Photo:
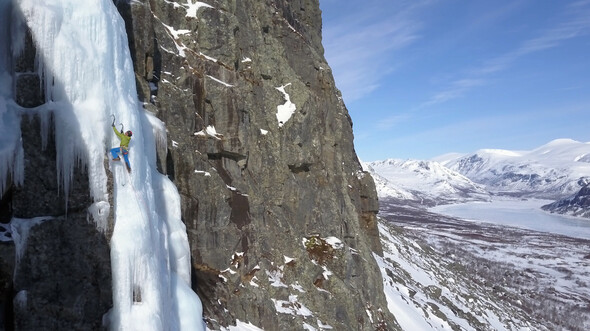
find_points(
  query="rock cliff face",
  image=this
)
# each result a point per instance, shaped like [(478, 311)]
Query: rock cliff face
[(576, 205), (259, 196), (280, 216)]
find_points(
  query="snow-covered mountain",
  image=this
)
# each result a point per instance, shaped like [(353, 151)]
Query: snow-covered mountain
[(556, 170), (422, 182), (575, 205), (552, 171)]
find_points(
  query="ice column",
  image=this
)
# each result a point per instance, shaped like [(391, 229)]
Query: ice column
[(88, 73)]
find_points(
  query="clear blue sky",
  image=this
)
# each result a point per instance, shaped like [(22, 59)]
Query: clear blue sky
[(422, 78)]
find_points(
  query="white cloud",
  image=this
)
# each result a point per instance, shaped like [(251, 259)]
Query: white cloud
[(360, 48), (574, 23), (392, 121), (456, 89)]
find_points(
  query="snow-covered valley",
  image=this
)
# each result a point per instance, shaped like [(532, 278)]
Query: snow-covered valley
[(491, 259), (444, 273)]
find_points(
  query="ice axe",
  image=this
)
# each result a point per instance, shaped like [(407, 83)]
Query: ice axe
[(113, 124)]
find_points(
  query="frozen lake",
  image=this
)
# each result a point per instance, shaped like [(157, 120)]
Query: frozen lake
[(519, 213)]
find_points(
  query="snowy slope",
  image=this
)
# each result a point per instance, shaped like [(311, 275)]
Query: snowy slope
[(557, 169), (425, 292), (422, 182), (389, 189), (442, 273), (83, 55)]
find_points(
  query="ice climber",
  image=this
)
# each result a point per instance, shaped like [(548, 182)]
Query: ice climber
[(124, 147)]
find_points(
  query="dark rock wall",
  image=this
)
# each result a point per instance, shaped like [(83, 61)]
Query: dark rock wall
[(576, 205), (249, 198)]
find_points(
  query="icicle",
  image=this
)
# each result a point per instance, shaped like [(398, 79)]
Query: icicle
[(16, 28), (11, 150), (99, 211), (18, 168), (159, 132), (20, 232), (45, 117)]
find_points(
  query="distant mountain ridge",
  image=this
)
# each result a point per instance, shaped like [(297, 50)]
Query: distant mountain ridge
[(552, 171), (557, 170), (425, 183)]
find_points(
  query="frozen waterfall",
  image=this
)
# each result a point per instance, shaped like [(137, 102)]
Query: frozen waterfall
[(83, 55)]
